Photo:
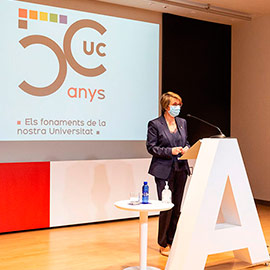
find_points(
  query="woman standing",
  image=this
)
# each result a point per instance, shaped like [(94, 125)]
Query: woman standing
[(166, 142)]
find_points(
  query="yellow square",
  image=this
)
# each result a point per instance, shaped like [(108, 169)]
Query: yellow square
[(43, 16)]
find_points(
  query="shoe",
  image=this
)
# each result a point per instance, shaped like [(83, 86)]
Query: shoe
[(165, 251)]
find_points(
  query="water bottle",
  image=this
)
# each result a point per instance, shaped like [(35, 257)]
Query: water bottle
[(145, 193), (166, 194)]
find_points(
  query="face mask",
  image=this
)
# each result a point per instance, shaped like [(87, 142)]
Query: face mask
[(174, 110)]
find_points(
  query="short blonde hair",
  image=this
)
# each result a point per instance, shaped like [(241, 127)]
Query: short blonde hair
[(166, 99)]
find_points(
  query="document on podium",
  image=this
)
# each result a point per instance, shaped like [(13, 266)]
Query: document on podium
[(192, 152)]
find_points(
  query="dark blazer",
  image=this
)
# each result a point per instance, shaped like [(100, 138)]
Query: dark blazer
[(159, 145)]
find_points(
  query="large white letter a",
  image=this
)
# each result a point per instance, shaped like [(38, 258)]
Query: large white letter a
[(219, 213)]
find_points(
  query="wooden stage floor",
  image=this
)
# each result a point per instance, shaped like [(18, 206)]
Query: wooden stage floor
[(106, 246)]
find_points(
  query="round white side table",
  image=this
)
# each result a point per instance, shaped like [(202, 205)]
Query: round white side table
[(153, 205)]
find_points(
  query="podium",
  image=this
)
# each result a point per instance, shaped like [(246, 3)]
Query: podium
[(219, 213)]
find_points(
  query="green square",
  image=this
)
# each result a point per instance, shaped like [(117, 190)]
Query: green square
[(53, 17)]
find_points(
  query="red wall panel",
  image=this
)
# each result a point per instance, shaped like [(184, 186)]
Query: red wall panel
[(24, 196)]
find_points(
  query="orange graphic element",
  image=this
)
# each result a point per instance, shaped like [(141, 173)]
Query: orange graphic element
[(43, 16), (22, 24), (64, 57), (54, 86), (74, 92), (72, 30), (19, 122), (92, 48), (33, 14), (22, 13)]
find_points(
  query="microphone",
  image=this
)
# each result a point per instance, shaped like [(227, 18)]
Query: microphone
[(221, 135)]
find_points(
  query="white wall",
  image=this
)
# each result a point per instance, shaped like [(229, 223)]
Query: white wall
[(85, 191), (250, 111)]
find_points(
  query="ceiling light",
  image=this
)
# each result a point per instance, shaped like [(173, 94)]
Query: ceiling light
[(206, 8)]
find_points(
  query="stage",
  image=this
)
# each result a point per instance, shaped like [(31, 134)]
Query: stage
[(102, 246)]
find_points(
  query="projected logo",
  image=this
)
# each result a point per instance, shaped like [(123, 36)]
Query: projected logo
[(64, 55), (25, 14)]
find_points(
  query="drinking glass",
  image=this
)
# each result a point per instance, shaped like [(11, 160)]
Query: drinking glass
[(134, 198)]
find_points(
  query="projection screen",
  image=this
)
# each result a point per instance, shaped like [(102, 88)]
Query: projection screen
[(75, 81)]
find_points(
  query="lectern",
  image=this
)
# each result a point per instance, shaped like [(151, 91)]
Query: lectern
[(219, 213)]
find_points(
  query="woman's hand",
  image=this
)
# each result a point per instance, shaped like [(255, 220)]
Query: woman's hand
[(184, 150), (176, 150), (179, 150)]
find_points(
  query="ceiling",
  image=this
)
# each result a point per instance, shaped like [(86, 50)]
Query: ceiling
[(252, 8)]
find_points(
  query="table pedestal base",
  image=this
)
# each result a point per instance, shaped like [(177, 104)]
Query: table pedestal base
[(143, 209), (138, 268)]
